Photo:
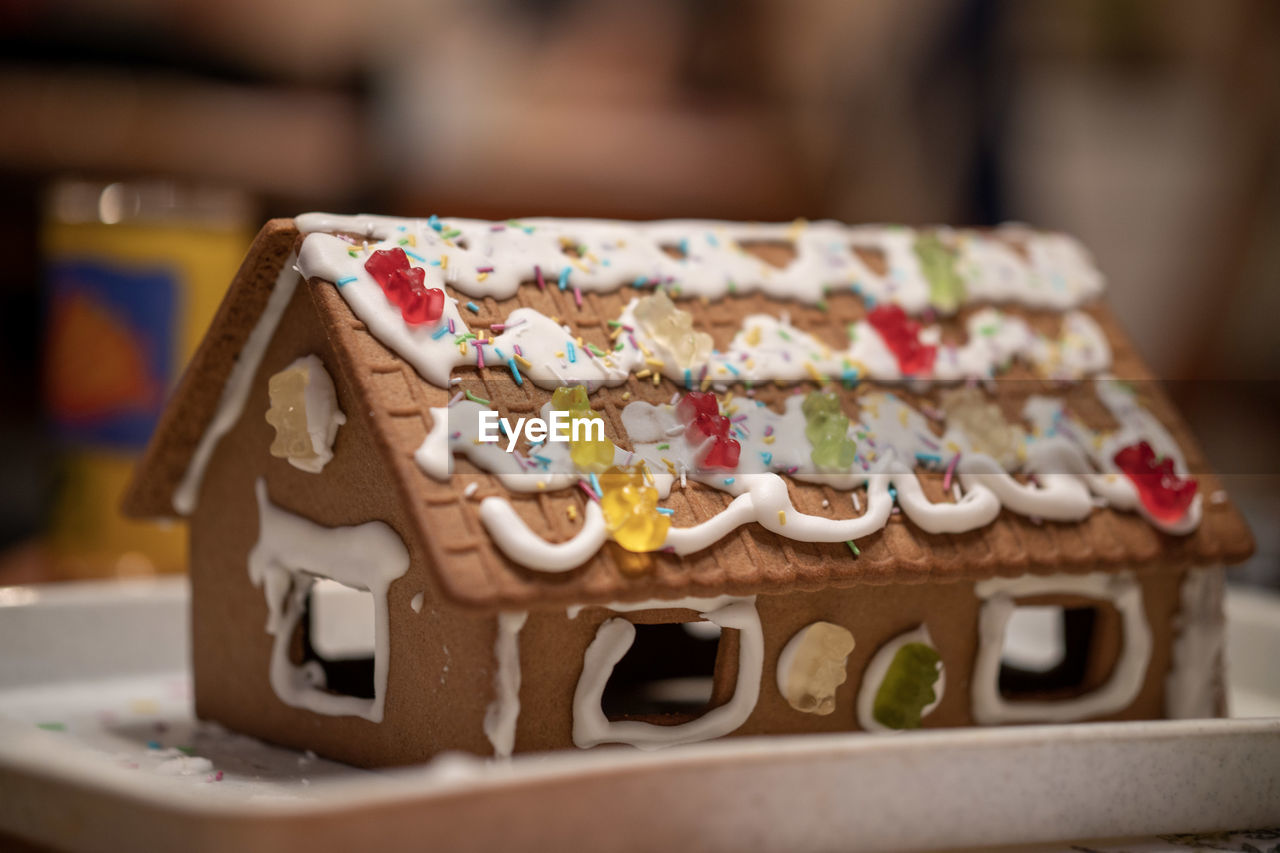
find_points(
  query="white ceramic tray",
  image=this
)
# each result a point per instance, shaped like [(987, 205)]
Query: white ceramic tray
[(98, 751)]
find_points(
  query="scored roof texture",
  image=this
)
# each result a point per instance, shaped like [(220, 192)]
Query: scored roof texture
[(472, 571)]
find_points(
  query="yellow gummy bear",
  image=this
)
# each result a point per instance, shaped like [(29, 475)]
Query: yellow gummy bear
[(672, 329), (630, 506), (588, 453)]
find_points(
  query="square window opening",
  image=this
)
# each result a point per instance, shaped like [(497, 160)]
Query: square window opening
[(336, 639), (669, 675), (1050, 652)]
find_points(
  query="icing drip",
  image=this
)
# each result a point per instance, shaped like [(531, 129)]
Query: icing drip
[(235, 391), (292, 552), (615, 636), (1126, 679), (1193, 687), (503, 712)]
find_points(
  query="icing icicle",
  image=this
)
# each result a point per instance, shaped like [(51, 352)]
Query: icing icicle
[(291, 553)]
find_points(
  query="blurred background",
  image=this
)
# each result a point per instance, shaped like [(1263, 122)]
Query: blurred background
[(143, 141)]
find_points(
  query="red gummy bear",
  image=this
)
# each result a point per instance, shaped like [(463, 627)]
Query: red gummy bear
[(404, 286), (697, 403), (1165, 495), (699, 411), (902, 335)]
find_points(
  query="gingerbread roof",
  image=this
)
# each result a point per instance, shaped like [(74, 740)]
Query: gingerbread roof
[(473, 569)]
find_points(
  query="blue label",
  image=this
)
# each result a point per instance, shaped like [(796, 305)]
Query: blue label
[(109, 354)]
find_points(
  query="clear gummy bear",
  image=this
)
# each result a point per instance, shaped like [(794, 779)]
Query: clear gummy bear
[(982, 422), (817, 660), (672, 329), (287, 391)]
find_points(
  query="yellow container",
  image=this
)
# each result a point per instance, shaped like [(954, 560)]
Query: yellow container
[(134, 275)]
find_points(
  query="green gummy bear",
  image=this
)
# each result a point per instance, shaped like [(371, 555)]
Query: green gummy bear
[(817, 403), (833, 453), (827, 428), (907, 688), (938, 263), (570, 398)]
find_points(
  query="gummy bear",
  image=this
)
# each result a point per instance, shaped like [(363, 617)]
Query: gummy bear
[(1165, 495), (630, 505), (404, 286), (587, 452), (982, 422), (699, 411), (288, 414), (818, 657), (827, 428), (672, 329), (938, 263), (907, 688), (902, 336)]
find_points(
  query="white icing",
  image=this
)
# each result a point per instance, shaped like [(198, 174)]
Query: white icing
[(486, 259), (184, 765), (615, 636), (765, 349), (701, 605), (1122, 590), (323, 415), (503, 712), (528, 548), (878, 667), (1194, 682), (292, 552), (498, 257), (433, 456), (235, 391)]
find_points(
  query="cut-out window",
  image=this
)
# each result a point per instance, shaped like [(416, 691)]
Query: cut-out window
[(338, 639), (668, 674), (775, 253), (1048, 650)]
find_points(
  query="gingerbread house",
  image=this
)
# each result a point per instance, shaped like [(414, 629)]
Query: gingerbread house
[(830, 478)]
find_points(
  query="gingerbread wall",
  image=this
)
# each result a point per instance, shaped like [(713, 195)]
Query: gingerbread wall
[(552, 643), (442, 668)]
